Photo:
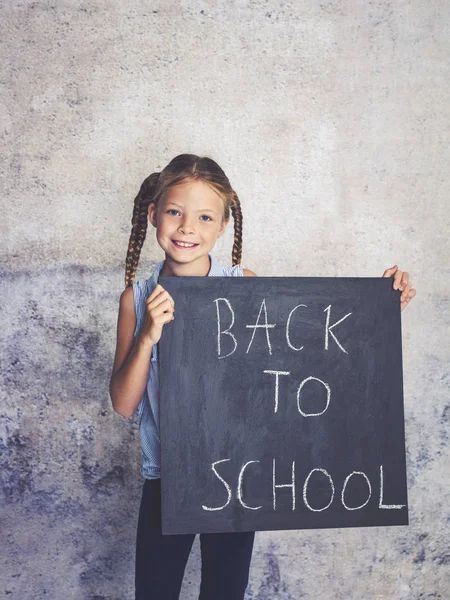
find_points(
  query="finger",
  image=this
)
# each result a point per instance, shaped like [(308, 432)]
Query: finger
[(162, 319), (160, 298), (161, 308), (405, 292), (157, 290), (397, 279), (165, 318), (162, 294), (390, 272), (410, 295), (404, 280), (171, 299)]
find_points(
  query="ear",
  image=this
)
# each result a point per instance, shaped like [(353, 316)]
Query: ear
[(223, 226), (152, 213)]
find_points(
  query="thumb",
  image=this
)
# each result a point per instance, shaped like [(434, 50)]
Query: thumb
[(390, 272)]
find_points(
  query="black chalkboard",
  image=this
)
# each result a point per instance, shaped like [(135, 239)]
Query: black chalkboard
[(281, 404)]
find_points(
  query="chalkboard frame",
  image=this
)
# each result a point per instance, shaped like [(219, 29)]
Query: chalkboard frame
[(372, 294)]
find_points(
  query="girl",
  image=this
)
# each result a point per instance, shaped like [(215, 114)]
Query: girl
[(189, 204)]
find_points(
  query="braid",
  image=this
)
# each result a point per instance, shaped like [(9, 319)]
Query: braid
[(139, 224), (237, 216)]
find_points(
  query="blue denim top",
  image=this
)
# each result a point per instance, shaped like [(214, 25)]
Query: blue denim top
[(148, 407)]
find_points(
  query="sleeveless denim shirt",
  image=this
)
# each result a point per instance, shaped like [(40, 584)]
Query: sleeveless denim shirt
[(148, 407)]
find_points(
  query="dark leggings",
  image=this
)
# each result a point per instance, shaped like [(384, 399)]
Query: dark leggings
[(161, 559)]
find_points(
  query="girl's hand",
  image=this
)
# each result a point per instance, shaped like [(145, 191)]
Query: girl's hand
[(401, 283), (158, 311)]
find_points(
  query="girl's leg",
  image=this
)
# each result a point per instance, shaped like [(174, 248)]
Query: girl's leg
[(225, 564), (160, 559)]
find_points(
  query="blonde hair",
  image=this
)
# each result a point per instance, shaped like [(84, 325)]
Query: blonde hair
[(181, 168)]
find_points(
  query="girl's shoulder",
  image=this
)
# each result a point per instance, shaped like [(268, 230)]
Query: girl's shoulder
[(236, 271), (144, 287), (141, 291)]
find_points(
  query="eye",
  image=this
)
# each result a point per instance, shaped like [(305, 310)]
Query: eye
[(206, 218), (171, 211)]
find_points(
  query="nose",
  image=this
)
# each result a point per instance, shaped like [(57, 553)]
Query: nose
[(186, 227)]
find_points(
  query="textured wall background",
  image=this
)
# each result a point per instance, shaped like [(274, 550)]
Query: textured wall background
[(331, 120)]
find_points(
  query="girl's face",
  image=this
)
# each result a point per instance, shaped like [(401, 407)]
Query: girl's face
[(188, 221)]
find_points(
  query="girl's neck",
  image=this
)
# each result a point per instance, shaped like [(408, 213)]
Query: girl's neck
[(197, 268)]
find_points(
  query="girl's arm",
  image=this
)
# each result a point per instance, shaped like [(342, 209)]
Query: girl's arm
[(248, 273), (132, 361)]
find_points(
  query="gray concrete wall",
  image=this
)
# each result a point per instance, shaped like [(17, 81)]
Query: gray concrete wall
[(331, 120)]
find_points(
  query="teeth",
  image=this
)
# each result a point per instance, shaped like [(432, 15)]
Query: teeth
[(184, 244)]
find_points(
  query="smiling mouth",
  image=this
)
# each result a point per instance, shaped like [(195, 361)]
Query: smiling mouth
[(186, 245)]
